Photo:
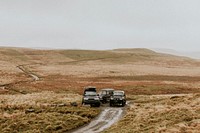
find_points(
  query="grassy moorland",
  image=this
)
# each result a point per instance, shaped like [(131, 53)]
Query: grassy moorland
[(160, 114), (148, 78), (45, 119), (43, 112)]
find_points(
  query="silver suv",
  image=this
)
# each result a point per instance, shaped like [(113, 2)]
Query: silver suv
[(91, 97)]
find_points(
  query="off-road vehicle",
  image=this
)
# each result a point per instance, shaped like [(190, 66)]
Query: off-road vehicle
[(118, 98), (105, 95), (91, 97)]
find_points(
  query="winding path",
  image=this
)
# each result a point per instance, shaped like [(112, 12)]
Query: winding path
[(34, 77), (107, 117), (27, 72)]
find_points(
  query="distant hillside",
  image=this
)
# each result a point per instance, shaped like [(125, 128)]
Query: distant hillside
[(119, 56), (195, 55), (136, 50)]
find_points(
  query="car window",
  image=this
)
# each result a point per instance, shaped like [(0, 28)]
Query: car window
[(111, 92), (90, 93), (118, 93), (103, 92)]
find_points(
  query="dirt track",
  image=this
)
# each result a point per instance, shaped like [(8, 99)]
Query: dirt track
[(108, 116), (34, 77)]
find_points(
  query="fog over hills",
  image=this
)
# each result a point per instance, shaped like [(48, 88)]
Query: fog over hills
[(194, 54)]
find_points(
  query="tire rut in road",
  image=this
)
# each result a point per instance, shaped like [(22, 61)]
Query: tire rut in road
[(107, 117)]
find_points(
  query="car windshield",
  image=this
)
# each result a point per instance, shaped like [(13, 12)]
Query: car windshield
[(90, 93), (103, 93), (118, 93)]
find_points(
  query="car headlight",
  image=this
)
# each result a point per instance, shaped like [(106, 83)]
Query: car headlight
[(85, 98), (96, 98)]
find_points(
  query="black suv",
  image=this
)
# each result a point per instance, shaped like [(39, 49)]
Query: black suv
[(105, 95), (91, 97), (118, 98)]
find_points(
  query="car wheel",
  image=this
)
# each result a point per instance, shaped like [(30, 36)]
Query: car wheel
[(98, 105), (111, 104), (123, 104)]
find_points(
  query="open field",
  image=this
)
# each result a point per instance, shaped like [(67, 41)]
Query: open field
[(42, 112), (150, 80), (161, 114)]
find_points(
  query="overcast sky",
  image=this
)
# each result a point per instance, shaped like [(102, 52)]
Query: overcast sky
[(101, 24)]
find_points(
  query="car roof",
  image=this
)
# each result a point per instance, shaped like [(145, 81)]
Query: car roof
[(88, 87)]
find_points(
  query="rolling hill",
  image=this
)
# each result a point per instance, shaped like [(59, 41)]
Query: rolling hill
[(152, 81)]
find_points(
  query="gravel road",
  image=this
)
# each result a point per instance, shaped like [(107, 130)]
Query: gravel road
[(107, 117)]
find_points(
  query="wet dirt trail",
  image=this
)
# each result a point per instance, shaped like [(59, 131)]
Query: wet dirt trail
[(107, 117), (34, 77), (22, 68)]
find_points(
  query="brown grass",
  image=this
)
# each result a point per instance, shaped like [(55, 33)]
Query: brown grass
[(45, 118), (64, 73), (52, 112), (165, 113)]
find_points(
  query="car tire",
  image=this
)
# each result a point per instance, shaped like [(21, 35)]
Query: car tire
[(98, 105), (123, 104)]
